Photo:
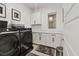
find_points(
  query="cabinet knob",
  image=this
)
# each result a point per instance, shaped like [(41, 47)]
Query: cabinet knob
[(39, 38), (53, 40)]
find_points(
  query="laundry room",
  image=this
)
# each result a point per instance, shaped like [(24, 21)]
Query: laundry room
[(39, 29), (31, 29)]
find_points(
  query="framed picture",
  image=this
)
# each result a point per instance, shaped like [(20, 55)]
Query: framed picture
[(16, 15), (2, 10)]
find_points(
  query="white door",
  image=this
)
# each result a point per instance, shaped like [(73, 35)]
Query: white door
[(46, 39), (33, 18), (37, 16), (57, 42), (36, 38)]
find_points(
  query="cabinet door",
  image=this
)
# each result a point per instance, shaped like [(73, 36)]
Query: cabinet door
[(37, 17), (43, 39), (50, 40), (57, 41), (33, 19), (36, 38), (46, 39)]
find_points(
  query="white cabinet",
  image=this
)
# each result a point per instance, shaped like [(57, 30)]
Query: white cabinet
[(58, 40), (51, 40), (47, 39), (36, 18), (36, 38)]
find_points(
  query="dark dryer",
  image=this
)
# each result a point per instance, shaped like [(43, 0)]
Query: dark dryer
[(16, 42), (27, 38), (8, 44), (8, 41), (26, 41)]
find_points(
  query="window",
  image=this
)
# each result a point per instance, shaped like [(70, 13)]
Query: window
[(52, 21)]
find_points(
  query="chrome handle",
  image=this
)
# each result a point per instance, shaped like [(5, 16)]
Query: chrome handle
[(53, 40), (40, 38)]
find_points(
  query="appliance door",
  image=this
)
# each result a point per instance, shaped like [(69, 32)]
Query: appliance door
[(27, 39), (8, 44)]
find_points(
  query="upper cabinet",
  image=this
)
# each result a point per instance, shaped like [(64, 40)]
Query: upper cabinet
[(36, 18)]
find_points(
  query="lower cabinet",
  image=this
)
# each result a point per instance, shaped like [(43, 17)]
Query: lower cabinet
[(58, 40), (36, 38), (47, 39)]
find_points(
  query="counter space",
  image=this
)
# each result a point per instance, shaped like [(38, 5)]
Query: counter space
[(48, 32)]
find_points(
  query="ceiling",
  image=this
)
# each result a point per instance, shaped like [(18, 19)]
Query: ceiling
[(38, 5)]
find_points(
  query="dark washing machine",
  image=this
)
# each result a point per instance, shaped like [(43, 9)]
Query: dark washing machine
[(8, 44), (27, 37), (26, 41), (9, 40)]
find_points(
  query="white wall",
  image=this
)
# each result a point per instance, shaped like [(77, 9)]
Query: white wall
[(25, 13), (71, 26)]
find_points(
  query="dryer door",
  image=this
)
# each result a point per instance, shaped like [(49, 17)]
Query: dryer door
[(8, 44), (27, 38)]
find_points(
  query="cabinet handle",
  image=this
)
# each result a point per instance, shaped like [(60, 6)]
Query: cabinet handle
[(53, 40), (40, 38)]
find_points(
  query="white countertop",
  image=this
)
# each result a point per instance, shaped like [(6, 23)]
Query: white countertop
[(47, 31)]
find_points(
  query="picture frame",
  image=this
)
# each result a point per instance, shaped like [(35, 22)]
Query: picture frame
[(16, 15), (2, 10)]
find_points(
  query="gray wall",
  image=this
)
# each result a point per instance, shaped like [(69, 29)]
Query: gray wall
[(71, 26)]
